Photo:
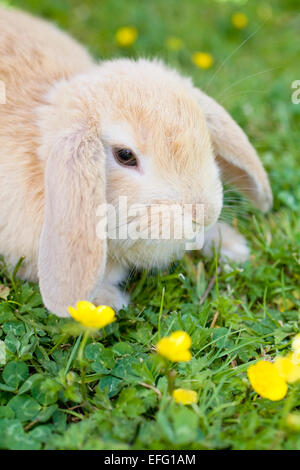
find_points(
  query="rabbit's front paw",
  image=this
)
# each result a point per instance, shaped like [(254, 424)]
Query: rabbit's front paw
[(113, 297), (230, 243)]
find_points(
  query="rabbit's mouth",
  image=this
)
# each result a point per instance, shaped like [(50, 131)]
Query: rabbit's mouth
[(153, 235), (146, 254)]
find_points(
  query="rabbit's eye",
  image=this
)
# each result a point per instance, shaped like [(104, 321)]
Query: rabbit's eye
[(125, 157)]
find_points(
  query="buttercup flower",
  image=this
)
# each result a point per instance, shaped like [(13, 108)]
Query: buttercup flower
[(93, 317), (174, 43), (186, 397), (239, 20), (266, 380), (203, 60), (175, 347), (287, 368), (126, 36)]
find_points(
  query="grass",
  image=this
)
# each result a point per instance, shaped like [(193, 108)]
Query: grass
[(250, 312)]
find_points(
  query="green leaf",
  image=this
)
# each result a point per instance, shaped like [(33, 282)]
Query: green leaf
[(143, 333), (148, 397), (185, 425), (179, 424), (129, 404), (2, 353), (122, 348), (72, 393), (142, 371), (124, 428), (222, 338), (101, 399), (13, 437), (103, 359), (165, 426), (110, 385), (6, 412), (99, 368), (59, 421), (41, 433), (25, 407), (149, 431), (94, 351), (287, 198), (45, 390), (29, 297), (5, 313), (17, 327), (6, 388), (28, 345), (124, 369), (14, 373), (12, 343), (27, 385), (47, 413), (107, 358)]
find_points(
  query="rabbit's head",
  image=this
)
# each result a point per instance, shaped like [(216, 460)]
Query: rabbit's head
[(139, 131)]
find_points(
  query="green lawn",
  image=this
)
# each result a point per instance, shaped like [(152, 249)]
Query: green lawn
[(255, 308)]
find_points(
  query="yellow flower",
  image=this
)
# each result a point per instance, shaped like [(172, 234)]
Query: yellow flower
[(93, 317), (296, 344), (266, 380), (287, 368), (203, 60), (175, 347), (239, 20), (174, 43), (126, 36), (186, 397)]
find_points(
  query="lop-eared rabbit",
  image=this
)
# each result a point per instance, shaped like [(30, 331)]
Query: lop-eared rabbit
[(76, 134)]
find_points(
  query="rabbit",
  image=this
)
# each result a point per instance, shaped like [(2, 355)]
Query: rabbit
[(76, 134)]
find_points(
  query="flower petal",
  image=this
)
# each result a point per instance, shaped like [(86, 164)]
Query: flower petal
[(92, 317), (175, 347), (181, 339), (266, 380), (287, 369), (185, 397)]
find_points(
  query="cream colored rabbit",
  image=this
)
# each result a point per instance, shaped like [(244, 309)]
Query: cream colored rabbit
[(74, 134)]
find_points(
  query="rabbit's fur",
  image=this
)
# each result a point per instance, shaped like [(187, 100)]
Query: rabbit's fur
[(63, 115)]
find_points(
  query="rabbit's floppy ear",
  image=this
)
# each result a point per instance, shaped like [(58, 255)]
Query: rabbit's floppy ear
[(71, 257), (237, 158)]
